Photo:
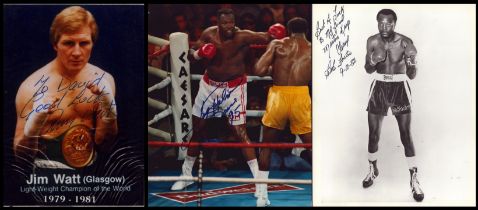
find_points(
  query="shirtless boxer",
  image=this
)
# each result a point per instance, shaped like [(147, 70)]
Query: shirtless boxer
[(66, 109), (393, 57), (223, 88), (289, 62)]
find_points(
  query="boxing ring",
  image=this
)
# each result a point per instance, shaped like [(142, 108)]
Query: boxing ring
[(210, 184)]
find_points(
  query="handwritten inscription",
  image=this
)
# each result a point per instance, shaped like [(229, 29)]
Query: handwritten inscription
[(332, 34), (75, 92)]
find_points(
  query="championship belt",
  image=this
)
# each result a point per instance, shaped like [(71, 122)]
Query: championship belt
[(78, 146)]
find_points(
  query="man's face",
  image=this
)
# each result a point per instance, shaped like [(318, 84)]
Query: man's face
[(386, 25), (227, 25), (74, 50)]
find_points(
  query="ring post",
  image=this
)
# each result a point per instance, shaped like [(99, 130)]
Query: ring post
[(181, 89)]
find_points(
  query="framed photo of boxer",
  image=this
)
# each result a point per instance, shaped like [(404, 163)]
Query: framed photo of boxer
[(73, 105), (396, 91)]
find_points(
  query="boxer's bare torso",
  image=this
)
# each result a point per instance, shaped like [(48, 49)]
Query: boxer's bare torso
[(228, 63), (290, 61), (292, 64), (394, 51), (75, 104)]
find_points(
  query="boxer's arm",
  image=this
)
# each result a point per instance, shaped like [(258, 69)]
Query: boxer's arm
[(369, 68), (106, 119), (24, 147), (263, 65), (192, 51), (203, 39), (410, 58), (251, 37), (276, 31)]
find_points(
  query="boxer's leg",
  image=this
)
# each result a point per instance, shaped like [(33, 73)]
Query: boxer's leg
[(307, 138), (374, 125), (269, 135), (236, 104), (404, 121), (198, 133), (240, 133), (192, 153)]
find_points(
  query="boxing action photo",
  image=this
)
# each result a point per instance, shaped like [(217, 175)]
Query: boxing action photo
[(230, 105)]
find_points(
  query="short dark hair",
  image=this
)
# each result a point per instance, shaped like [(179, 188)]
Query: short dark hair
[(297, 25), (387, 12), (224, 11)]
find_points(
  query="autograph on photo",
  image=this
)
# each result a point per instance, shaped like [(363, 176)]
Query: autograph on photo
[(231, 111), (40, 102), (332, 34)]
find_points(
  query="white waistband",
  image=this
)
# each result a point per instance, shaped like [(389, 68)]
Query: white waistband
[(390, 77)]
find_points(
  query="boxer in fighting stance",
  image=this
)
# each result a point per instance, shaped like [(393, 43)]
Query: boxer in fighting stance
[(223, 88), (289, 62), (393, 57), (66, 109)]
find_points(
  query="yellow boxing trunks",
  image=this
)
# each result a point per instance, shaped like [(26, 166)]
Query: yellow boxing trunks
[(291, 103)]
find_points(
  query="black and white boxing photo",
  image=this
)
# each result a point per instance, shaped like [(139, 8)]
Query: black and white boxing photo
[(395, 112)]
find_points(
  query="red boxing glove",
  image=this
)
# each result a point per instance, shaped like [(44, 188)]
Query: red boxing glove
[(206, 51), (277, 31)]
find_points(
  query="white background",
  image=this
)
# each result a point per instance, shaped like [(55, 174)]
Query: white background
[(443, 112)]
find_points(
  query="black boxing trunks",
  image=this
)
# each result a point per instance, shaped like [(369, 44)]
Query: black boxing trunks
[(389, 91)]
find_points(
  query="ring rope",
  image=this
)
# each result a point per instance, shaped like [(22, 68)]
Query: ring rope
[(255, 113), (161, 51), (228, 179), (253, 46), (161, 115), (157, 41), (158, 72), (160, 85), (165, 75), (229, 145), (159, 133), (157, 104), (249, 78)]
